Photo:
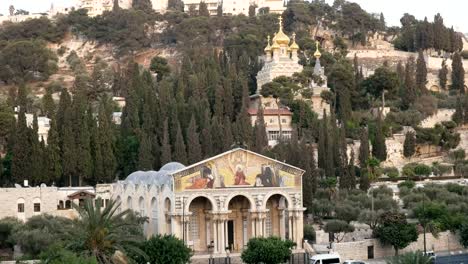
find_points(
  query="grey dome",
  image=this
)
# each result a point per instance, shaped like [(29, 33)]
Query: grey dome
[(172, 166), (159, 178)]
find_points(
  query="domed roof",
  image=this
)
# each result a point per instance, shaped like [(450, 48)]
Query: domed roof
[(172, 166), (159, 178), (280, 37), (275, 44), (294, 45)]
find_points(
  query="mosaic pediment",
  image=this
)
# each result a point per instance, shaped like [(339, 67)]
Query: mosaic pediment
[(236, 169)]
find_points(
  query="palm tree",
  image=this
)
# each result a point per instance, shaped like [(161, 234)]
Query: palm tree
[(410, 258), (104, 233)]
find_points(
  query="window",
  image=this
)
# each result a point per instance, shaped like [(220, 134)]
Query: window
[(272, 120), (283, 120), (331, 261), (67, 204), (21, 208), (37, 207)]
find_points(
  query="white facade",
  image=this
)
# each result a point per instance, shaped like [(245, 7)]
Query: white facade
[(25, 202)]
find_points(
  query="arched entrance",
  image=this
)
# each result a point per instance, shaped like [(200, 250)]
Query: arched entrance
[(200, 230), (276, 220), (238, 229)]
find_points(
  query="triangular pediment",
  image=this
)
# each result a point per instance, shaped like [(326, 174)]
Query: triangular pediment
[(237, 168)]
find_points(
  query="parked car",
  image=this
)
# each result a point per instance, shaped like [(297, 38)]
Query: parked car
[(431, 255), (325, 259), (352, 261)]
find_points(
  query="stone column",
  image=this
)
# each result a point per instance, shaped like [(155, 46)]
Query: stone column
[(222, 232), (299, 228), (215, 236), (282, 224)]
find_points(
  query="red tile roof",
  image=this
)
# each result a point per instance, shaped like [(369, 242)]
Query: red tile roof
[(270, 112)]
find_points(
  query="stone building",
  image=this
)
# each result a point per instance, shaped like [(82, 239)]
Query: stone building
[(25, 202), (220, 203)]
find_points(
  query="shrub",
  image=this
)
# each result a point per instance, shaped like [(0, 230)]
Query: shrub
[(410, 258), (270, 250), (7, 228), (56, 254), (422, 170), (165, 249), (391, 172), (407, 184), (309, 233)]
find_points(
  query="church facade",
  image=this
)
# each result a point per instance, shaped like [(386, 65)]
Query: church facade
[(220, 203)]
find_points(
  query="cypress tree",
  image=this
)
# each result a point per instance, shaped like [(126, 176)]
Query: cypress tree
[(53, 164), (217, 135), (343, 170), (322, 139), (68, 150), (115, 6), (409, 146), (156, 152), (465, 115), (364, 182), (145, 157), (409, 92), (180, 152), (261, 139), (421, 73), (194, 151), (243, 133), (443, 75), (83, 169), (400, 70), (228, 99), (203, 9), (228, 138), (166, 153), (48, 103), (219, 102), (143, 5), (458, 117), (352, 171), (207, 145), (36, 164), (107, 144), (333, 147), (458, 73), (21, 161), (63, 110), (379, 149), (364, 149)]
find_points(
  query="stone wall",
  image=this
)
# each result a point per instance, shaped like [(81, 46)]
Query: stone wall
[(446, 241), (440, 116)]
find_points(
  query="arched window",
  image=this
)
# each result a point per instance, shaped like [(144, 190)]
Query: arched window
[(141, 206), (129, 203), (60, 205), (68, 204), (154, 216)]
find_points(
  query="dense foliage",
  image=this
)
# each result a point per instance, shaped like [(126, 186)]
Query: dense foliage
[(267, 250)]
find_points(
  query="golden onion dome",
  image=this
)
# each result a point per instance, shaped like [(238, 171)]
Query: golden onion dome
[(275, 44), (268, 47), (294, 45), (280, 37), (317, 53)]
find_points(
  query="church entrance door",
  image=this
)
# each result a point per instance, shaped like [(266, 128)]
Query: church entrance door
[(230, 234)]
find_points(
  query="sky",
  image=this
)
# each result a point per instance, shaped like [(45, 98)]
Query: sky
[(454, 12)]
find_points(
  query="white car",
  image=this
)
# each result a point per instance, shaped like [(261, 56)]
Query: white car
[(354, 262), (325, 259)]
